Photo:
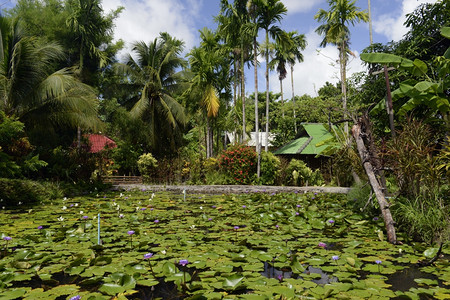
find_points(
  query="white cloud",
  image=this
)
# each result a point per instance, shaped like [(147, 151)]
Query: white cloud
[(391, 24), (143, 20), (319, 66), (295, 6)]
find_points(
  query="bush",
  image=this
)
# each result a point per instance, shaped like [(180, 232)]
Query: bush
[(299, 174), (270, 167), (15, 192), (238, 162), (147, 165), (358, 197)]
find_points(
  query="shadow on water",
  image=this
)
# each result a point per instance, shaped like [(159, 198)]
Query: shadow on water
[(271, 272), (403, 280)]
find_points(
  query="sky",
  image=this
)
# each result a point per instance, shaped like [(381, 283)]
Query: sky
[(143, 20)]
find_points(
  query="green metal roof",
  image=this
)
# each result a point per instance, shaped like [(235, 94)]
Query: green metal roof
[(307, 144)]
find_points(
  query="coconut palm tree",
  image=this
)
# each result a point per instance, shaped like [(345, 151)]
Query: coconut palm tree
[(153, 80), (335, 31), (33, 91)]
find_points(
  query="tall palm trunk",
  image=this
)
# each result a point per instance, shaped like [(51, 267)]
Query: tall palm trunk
[(293, 98), (266, 146), (282, 100), (343, 67), (258, 148), (244, 137), (235, 89)]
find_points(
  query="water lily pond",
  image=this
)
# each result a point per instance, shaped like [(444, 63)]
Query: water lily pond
[(167, 246)]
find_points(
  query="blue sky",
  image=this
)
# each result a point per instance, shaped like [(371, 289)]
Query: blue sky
[(144, 19)]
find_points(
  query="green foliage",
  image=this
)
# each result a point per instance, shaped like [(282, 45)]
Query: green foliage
[(270, 166), (299, 174), (363, 200), (15, 192), (125, 157), (15, 150), (147, 165), (239, 164), (428, 223), (423, 204)]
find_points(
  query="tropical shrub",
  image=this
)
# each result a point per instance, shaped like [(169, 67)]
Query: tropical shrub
[(238, 162), (15, 192), (125, 158), (299, 174), (422, 205), (270, 167), (16, 157), (363, 200), (147, 165)]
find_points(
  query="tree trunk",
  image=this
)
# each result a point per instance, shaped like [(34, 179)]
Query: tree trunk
[(343, 66), (384, 205), (293, 98), (282, 100), (266, 146), (244, 136), (389, 107), (258, 149)]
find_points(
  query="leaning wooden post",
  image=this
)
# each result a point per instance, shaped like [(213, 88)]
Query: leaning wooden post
[(384, 205)]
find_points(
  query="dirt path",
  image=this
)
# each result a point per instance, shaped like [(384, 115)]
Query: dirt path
[(232, 189)]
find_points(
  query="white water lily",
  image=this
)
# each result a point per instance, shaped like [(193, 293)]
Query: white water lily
[(60, 218), (81, 212), (163, 252), (201, 207), (64, 207), (118, 207), (137, 208), (121, 195), (139, 202), (192, 226), (65, 199), (76, 204)]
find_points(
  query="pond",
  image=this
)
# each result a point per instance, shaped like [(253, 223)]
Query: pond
[(149, 245)]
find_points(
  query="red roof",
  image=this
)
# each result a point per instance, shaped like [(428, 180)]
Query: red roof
[(100, 142)]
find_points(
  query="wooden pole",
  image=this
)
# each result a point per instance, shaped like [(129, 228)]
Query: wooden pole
[(389, 107)]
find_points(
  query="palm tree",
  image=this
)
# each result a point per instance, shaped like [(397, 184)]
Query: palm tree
[(335, 31), (153, 81), (205, 63), (270, 12), (233, 26), (33, 91), (298, 42), (91, 30)]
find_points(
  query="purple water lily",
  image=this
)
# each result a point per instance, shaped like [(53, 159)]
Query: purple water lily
[(323, 245), (335, 257), (7, 238), (130, 232), (183, 262), (236, 227), (331, 222), (156, 221), (40, 227), (77, 297), (378, 262), (148, 255)]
